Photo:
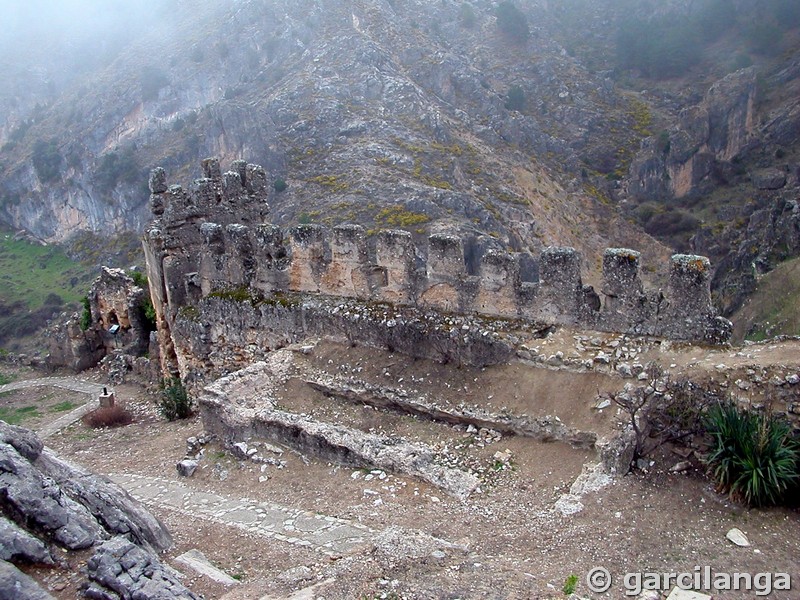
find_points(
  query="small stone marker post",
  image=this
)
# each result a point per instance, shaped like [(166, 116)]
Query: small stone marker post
[(106, 398)]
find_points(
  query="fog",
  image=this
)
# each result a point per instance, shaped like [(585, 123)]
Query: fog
[(30, 25)]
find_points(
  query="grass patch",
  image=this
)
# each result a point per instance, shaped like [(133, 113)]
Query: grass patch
[(773, 308), (35, 283), (63, 407), (16, 416), (5, 379)]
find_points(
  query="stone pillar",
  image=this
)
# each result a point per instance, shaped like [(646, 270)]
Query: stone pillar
[(689, 288), (560, 286), (446, 271), (498, 284), (624, 303), (445, 259), (211, 169), (257, 182), (272, 259), (307, 245), (394, 254), (346, 273), (239, 258), (204, 195), (211, 266), (689, 314), (158, 186), (232, 187)]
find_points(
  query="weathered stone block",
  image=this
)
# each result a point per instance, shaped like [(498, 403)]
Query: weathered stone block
[(240, 167), (232, 186), (158, 181), (272, 259), (211, 168), (621, 273), (257, 182), (690, 283), (445, 258), (560, 287), (346, 274), (498, 284), (394, 255), (307, 245)]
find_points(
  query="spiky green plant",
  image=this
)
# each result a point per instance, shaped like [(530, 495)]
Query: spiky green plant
[(175, 402), (754, 457)]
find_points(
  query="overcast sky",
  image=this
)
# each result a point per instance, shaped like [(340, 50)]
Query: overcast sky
[(32, 22)]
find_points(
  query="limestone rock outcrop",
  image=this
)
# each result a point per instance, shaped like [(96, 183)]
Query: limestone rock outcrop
[(121, 570), (708, 140), (48, 503)]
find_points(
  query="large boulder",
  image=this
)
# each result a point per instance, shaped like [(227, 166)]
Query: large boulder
[(39, 504), (16, 584), (46, 500), (121, 569), (112, 506)]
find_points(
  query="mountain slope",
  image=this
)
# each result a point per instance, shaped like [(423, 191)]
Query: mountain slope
[(426, 116)]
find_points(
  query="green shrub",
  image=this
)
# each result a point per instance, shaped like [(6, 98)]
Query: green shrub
[(108, 416), (86, 315), (753, 457), (570, 585), (280, 185), (46, 160), (175, 402), (148, 313), (516, 98), (466, 16), (140, 279), (117, 167), (512, 21)]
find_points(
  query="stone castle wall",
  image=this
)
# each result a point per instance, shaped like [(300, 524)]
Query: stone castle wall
[(214, 237)]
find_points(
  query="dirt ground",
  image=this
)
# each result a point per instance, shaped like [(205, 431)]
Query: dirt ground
[(508, 541)]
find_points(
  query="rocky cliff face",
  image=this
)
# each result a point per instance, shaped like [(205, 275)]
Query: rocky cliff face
[(702, 146), (428, 117), (49, 506), (354, 106)]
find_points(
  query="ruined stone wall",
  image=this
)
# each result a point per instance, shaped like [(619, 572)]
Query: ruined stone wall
[(212, 239), (117, 323)]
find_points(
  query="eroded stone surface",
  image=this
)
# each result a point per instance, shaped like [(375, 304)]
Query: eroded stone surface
[(198, 249)]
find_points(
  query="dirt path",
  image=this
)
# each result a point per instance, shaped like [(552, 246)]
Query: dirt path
[(393, 536), (327, 535)]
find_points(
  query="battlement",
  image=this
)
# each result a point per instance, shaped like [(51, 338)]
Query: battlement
[(213, 238)]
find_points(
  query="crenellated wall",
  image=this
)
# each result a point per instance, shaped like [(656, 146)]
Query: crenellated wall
[(213, 238)]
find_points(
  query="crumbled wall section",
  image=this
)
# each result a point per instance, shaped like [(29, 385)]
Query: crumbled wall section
[(212, 238)]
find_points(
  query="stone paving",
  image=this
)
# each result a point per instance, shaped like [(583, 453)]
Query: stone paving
[(329, 535), (92, 390)]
